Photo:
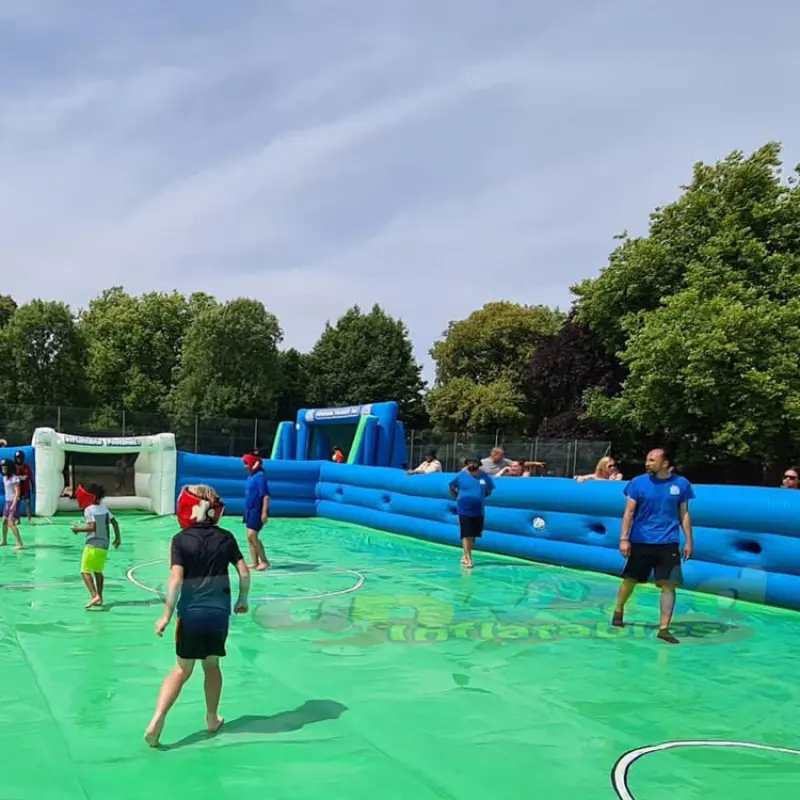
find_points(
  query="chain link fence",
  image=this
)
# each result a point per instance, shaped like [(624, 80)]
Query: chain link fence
[(229, 436), (557, 457)]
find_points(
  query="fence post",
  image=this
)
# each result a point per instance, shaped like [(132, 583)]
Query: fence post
[(58, 419), (411, 460), (496, 436), (123, 421), (575, 459), (196, 434), (255, 433), (455, 452), (536, 449)]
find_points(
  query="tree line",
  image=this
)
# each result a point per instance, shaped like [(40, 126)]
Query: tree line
[(688, 336)]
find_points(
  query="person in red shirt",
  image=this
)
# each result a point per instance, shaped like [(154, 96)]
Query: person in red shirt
[(25, 475)]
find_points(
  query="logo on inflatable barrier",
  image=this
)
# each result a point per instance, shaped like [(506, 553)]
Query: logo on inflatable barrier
[(88, 441), (366, 410), (538, 524)]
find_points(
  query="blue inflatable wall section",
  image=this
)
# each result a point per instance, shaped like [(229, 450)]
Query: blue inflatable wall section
[(746, 540), (293, 484)]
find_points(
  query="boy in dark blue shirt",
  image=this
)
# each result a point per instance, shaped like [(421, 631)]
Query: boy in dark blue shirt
[(656, 511), (469, 489), (256, 509)]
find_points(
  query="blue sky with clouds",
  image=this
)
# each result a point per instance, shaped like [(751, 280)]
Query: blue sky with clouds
[(429, 155)]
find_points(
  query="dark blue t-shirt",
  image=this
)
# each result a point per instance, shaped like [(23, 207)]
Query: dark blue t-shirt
[(472, 493), (658, 501), (256, 489), (205, 552)]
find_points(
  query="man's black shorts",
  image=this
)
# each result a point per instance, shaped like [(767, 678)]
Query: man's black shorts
[(662, 559), (471, 527), (199, 643)]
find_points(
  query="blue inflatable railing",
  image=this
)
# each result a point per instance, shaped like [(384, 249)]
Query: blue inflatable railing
[(746, 542)]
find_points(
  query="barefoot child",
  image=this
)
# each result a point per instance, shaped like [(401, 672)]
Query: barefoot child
[(199, 588), (25, 475), (13, 494), (98, 523), (256, 509), (469, 489)]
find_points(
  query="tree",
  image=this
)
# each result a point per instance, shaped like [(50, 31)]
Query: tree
[(562, 370), (7, 308), (462, 404), (134, 347), (495, 342), (489, 355), (45, 356), (365, 358), (229, 362), (705, 312), (293, 378)]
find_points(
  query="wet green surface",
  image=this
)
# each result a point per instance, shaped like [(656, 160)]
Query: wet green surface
[(391, 673)]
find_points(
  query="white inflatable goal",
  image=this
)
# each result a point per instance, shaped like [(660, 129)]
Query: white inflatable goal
[(154, 471)]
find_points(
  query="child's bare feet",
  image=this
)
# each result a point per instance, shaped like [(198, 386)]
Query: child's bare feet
[(18, 547), (95, 601), (261, 567), (153, 732), (214, 723)]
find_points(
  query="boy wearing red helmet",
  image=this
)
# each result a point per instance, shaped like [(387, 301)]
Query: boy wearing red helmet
[(199, 589), (256, 509)]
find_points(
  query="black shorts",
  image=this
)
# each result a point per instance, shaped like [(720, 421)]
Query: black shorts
[(664, 560), (471, 527), (196, 644)]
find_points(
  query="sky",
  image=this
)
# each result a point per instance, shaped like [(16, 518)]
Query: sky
[(427, 155)]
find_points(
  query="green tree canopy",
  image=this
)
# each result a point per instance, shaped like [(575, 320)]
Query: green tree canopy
[(462, 404), (365, 358), (134, 347), (45, 354), (293, 379), (229, 362), (705, 312), (486, 357)]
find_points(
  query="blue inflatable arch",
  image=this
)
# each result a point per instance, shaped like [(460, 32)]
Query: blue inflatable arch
[(371, 435)]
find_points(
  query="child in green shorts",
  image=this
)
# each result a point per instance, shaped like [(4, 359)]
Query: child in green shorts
[(98, 524)]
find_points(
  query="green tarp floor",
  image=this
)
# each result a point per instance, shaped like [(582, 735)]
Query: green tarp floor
[(373, 666)]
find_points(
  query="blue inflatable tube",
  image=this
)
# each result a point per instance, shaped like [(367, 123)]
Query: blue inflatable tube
[(746, 539)]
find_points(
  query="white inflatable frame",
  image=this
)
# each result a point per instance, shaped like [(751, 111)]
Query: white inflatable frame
[(155, 470)]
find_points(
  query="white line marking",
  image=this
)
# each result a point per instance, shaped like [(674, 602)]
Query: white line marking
[(360, 581), (619, 775)]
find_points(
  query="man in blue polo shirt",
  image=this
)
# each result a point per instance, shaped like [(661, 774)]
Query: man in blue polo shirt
[(656, 511)]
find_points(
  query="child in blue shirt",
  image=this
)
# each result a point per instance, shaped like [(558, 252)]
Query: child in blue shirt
[(469, 489), (256, 509)]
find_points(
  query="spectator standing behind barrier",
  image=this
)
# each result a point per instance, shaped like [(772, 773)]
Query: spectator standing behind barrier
[(657, 509), (338, 455), (429, 464), (496, 462), (790, 477), (606, 470)]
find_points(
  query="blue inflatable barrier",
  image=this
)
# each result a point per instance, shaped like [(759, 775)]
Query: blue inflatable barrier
[(292, 484), (746, 540)]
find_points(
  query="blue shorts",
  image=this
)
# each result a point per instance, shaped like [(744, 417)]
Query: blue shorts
[(252, 521)]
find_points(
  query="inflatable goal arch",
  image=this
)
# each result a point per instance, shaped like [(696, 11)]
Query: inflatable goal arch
[(154, 471)]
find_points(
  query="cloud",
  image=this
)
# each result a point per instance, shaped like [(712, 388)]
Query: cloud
[(429, 157)]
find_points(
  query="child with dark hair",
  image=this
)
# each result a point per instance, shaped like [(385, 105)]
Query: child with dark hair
[(25, 475), (13, 495), (98, 522)]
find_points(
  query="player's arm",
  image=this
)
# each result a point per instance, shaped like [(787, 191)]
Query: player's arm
[(686, 525), (117, 535), (237, 559), (627, 522), (265, 506), (174, 586), (490, 485), (17, 495)]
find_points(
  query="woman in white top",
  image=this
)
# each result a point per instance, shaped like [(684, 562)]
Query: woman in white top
[(429, 464)]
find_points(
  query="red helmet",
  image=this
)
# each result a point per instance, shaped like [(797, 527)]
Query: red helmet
[(84, 498), (193, 510), (251, 461)]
